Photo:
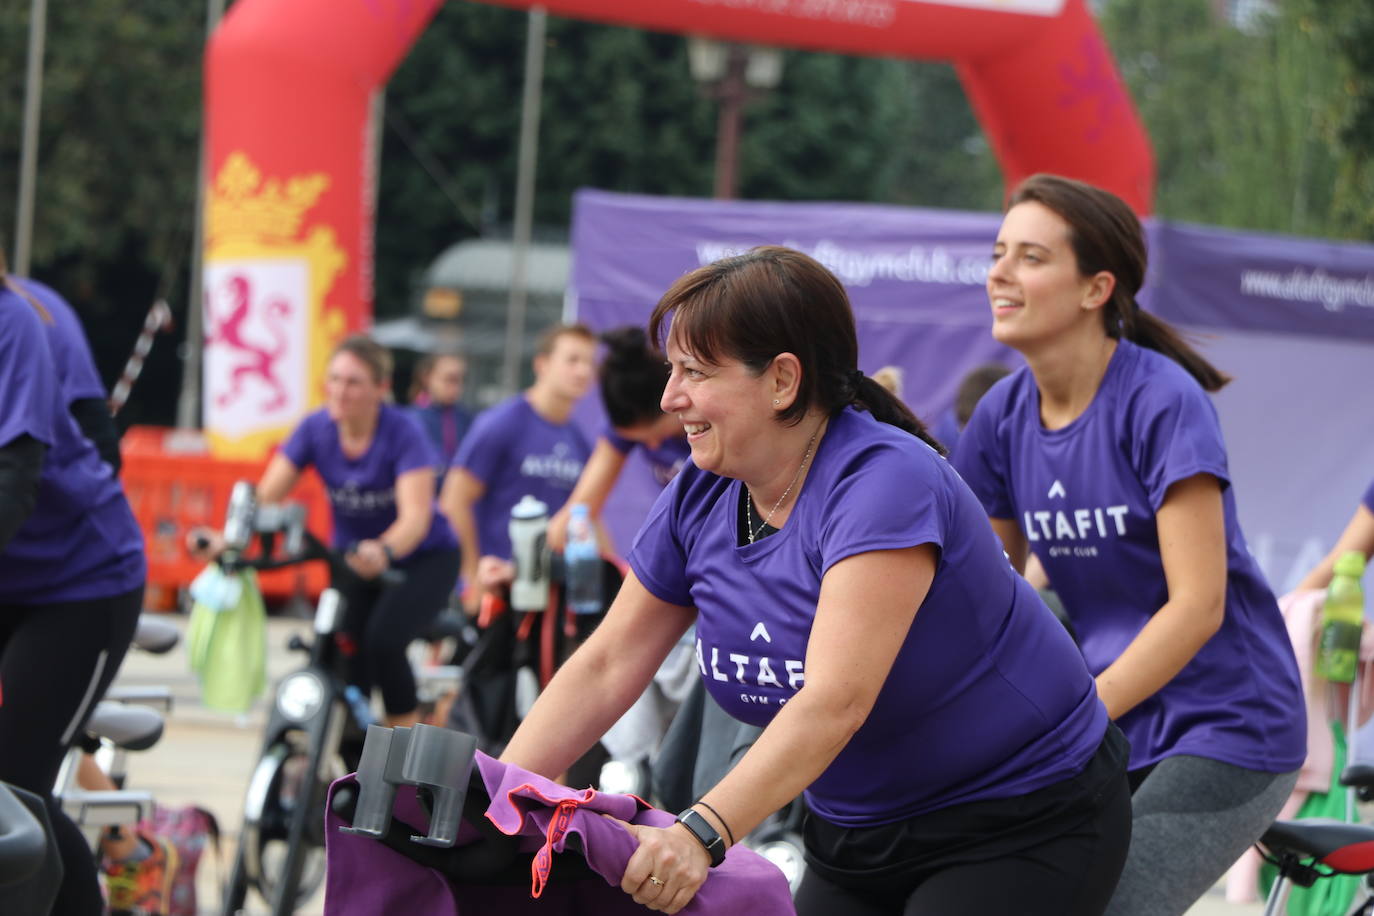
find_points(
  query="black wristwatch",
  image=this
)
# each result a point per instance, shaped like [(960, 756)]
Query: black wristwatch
[(701, 828), (390, 555)]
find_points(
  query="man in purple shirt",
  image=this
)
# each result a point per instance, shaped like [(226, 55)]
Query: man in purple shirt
[(526, 445)]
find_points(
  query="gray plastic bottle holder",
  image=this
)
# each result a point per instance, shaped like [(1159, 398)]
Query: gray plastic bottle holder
[(438, 759)]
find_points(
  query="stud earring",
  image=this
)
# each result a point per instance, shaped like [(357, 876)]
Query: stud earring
[(776, 402)]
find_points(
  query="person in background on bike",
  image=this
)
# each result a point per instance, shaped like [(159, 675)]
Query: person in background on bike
[(972, 387), (632, 377), (378, 470), (72, 573), (1358, 535), (1105, 458), (850, 596), (438, 404), (525, 445)]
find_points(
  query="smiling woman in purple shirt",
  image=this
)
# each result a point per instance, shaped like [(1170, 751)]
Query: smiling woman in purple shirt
[(850, 597), (71, 572), (1104, 457)]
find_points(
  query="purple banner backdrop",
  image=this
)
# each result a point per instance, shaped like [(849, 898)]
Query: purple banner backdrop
[(1291, 319)]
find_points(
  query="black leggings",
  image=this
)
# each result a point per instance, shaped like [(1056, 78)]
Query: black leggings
[(56, 661), (384, 619), (1057, 851)]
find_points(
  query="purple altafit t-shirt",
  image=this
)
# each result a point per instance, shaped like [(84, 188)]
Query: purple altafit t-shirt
[(81, 541), (362, 490), (1086, 497), (665, 460), (987, 698), (76, 371), (514, 451)]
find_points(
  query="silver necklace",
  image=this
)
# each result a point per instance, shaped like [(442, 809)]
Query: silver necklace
[(749, 522)]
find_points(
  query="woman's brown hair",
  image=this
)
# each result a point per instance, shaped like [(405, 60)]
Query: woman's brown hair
[(773, 300), (1106, 235), (376, 357)]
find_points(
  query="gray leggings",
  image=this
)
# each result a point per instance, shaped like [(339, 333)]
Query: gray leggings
[(1191, 819)]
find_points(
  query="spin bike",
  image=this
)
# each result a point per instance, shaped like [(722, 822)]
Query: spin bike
[(314, 733)]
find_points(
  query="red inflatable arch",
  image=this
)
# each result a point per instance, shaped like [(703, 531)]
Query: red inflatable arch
[(291, 188)]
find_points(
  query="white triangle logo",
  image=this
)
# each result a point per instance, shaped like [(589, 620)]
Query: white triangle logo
[(760, 630), (1057, 489)]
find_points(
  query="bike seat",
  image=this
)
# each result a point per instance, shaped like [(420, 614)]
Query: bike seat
[(155, 636), (1358, 775), (447, 625), (1342, 847), (143, 695), (133, 728)]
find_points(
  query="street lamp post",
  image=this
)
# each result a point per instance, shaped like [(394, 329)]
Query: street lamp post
[(28, 154), (733, 74)]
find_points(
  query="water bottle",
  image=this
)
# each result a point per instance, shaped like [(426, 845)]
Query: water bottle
[(582, 558), (529, 525), (1342, 621), (362, 709)]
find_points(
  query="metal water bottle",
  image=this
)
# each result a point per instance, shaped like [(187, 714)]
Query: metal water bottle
[(529, 525)]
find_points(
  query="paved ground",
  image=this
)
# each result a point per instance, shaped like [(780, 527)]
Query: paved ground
[(205, 758)]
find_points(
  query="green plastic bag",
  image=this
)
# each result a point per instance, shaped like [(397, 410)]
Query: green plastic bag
[(1329, 896), (227, 639)]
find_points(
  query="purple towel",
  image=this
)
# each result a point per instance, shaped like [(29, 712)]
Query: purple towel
[(366, 877)]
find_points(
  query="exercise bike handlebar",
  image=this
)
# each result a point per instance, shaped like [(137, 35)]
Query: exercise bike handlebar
[(246, 520)]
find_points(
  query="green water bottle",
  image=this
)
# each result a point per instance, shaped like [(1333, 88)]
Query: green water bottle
[(1342, 619)]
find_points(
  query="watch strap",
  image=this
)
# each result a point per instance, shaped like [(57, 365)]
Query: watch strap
[(706, 835)]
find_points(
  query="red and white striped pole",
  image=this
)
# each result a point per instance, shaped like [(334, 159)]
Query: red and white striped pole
[(159, 319)]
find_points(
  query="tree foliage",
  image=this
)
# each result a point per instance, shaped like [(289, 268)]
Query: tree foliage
[(1269, 127), (620, 111), (116, 169), (1246, 122)]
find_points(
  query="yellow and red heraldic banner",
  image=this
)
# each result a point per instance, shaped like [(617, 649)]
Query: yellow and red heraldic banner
[(291, 198)]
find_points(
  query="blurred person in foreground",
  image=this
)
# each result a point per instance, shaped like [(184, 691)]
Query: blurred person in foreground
[(72, 571)]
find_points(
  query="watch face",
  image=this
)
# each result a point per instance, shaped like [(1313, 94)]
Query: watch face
[(701, 828)]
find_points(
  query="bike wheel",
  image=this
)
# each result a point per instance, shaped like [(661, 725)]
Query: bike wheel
[(279, 786)]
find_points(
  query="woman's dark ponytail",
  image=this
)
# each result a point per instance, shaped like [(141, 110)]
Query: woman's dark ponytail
[(633, 375), (888, 408), (1140, 327)]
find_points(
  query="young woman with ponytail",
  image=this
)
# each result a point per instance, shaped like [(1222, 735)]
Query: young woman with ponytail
[(849, 597), (1104, 457)]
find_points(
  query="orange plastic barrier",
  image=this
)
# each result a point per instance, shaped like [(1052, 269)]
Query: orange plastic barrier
[(174, 485)]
